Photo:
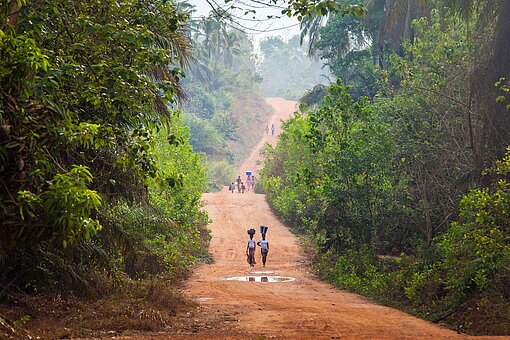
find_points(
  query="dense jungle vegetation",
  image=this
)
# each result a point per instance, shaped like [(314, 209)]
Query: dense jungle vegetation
[(397, 174), (100, 189), (115, 117)]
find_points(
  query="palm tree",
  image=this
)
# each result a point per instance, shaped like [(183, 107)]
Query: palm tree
[(215, 49), (310, 26), (230, 49), (399, 17), (387, 22), (391, 23)]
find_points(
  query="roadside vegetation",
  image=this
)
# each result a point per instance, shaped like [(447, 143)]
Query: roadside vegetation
[(115, 117), (397, 174), (99, 186)]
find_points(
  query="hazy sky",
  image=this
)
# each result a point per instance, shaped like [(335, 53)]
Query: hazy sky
[(257, 25)]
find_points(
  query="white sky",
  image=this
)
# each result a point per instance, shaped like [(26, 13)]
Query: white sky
[(257, 25)]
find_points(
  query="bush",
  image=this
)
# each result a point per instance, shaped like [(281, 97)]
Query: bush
[(148, 243), (474, 252), (221, 173)]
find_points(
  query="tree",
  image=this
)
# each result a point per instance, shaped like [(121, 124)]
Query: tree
[(83, 85), (490, 21)]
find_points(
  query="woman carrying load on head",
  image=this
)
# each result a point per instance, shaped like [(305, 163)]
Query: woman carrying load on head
[(264, 249), (250, 249), (248, 182), (263, 244)]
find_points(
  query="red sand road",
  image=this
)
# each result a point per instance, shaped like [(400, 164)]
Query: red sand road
[(303, 308)]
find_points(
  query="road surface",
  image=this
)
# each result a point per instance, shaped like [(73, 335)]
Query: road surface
[(298, 305)]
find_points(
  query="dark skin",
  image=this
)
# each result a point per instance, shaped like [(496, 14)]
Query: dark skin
[(263, 238), (248, 247), (263, 257)]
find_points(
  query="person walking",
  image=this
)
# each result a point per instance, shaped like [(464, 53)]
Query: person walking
[(250, 250), (248, 182), (272, 129), (232, 187), (242, 187), (238, 181), (264, 248), (267, 129)]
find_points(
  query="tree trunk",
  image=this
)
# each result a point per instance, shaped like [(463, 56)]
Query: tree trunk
[(13, 14), (429, 232), (406, 33), (497, 121)]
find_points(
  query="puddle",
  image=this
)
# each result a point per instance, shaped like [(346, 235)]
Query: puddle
[(261, 278), (266, 272)]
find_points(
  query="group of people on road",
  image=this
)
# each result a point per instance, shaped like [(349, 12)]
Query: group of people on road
[(241, 187), (263, 244), (272, 129)]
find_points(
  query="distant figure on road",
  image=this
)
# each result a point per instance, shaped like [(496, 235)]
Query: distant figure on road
[(272, 129), (242, 187), (232, 187), (249, 183), (250, 250), (267, 129), (264, 248), (238, 181)]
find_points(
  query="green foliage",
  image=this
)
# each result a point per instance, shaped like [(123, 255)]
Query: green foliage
[(429, 123), (283, 170), (388, 190), (204, 136), (170, 234), (153, 244), (222, 173), (474, 252), (64, 208), (347, 190), (97, 174), (85, 88), (302, 8), (342, 44), (356, 270)]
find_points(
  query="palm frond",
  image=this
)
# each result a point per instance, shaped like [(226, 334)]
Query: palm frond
[(310, 26)]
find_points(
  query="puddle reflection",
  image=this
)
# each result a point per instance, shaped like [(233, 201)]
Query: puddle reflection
[(261, 278)]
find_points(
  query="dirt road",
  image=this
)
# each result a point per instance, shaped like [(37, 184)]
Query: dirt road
[(303, 306)]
